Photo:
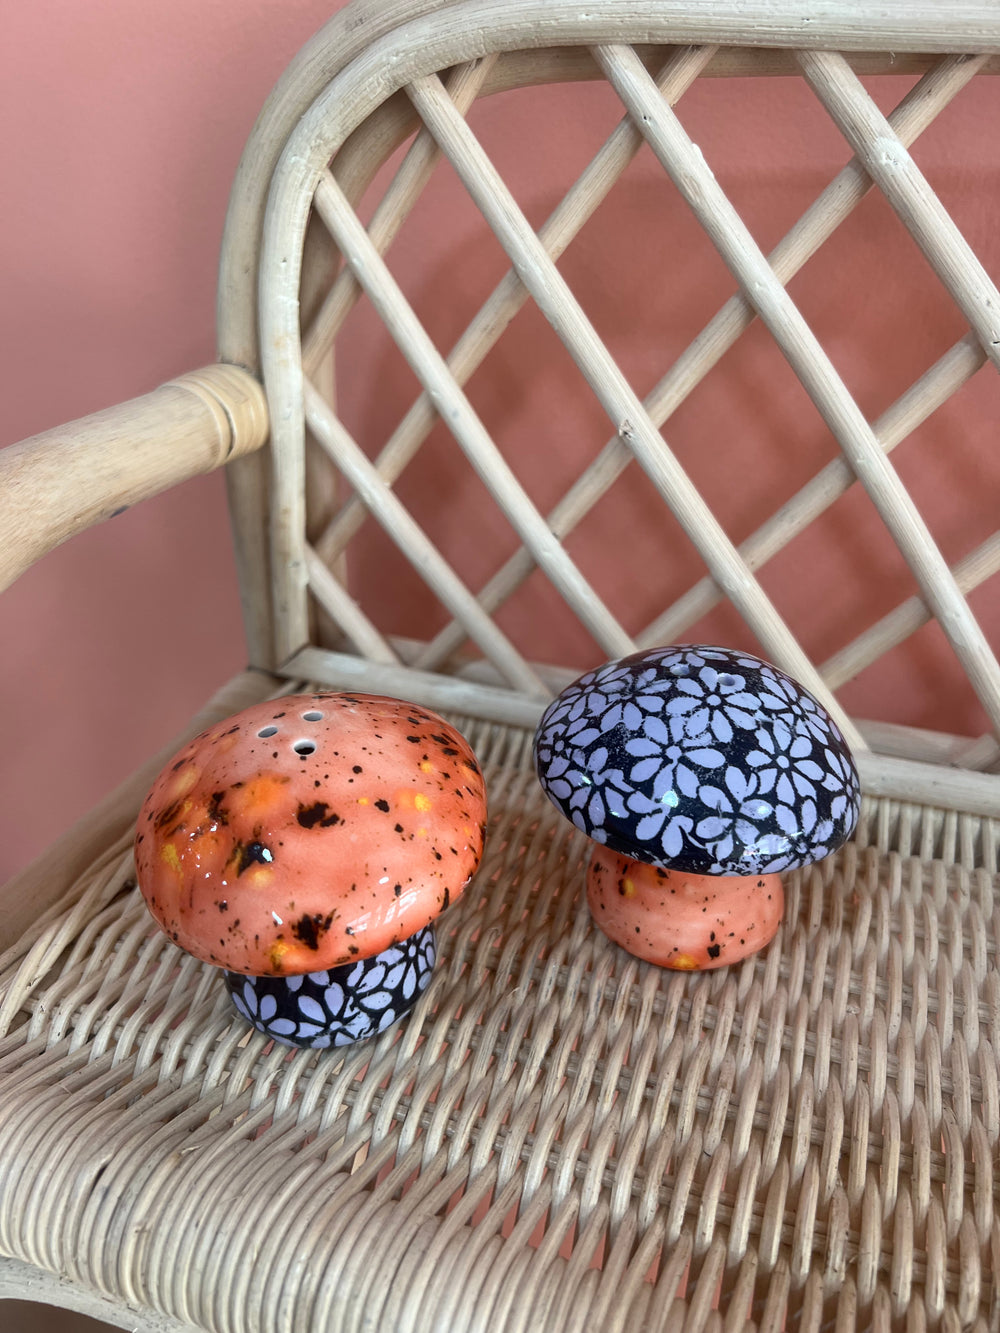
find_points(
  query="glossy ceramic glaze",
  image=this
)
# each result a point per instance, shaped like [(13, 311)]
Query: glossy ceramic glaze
[(342, 1005), (680, 920), (701, 759), (309, 832)]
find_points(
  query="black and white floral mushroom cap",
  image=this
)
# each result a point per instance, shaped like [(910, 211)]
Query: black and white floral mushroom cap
[(699, 758)]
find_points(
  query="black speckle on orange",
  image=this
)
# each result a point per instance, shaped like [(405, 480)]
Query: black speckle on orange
[(168, 815), (216, 813), (714, 950), (382, 805), (246, 854), (317, 815), (310, 928)]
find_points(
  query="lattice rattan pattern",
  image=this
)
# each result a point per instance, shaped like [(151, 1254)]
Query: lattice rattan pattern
[(636, 437)]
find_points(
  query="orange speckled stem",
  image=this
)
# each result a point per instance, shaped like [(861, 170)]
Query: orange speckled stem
[(685, 922)]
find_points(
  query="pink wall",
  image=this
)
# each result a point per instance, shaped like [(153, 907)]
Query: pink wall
[(129, 124), (123, 127)]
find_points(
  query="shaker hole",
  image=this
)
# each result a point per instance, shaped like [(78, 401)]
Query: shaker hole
[(304, 747), (267, 731)]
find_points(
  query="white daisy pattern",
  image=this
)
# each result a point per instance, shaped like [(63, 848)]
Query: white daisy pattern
[(700, 758), (340, 1006)]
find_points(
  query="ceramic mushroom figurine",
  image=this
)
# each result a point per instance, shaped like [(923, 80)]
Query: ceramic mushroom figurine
[(305, 846), (701, 773)]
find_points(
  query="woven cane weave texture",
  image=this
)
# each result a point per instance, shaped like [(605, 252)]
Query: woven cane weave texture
[(559, 1136)]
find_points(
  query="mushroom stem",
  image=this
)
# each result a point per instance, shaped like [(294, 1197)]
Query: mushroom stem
[(342, 1005), (683, 921)]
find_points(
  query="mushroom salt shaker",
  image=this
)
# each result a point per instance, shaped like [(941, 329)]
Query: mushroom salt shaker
[(701, 773), (305, 846)]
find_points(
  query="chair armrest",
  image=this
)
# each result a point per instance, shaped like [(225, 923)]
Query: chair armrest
[(56, 484)]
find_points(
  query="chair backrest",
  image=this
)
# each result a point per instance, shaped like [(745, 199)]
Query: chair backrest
[(577, 340)]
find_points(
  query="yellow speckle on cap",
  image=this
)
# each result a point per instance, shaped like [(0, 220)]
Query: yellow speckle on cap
[(259, 797), (259, 877), (683, 962), (629, 886), (422, 802), (276, 952), (362, 800), (168, 854), (183, 782), (426, 766)]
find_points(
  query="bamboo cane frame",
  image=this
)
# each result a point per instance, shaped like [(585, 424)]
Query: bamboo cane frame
[(692, 176), (464, 86), (919, 402), (969, 573), (556, 234), (916, 110), (635, 428), (469, 432), (913, 407), (941, 84), (405, 532)]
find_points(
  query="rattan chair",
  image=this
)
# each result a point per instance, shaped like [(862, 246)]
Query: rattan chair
[(559, 1137)]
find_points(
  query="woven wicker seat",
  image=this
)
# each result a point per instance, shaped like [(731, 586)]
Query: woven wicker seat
[(559, 1136)]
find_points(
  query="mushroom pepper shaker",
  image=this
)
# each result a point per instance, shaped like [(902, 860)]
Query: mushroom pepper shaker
[(701, 773), (305, 846)]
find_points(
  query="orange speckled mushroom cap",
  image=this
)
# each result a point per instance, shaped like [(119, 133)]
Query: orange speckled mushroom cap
[(310, 831)]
